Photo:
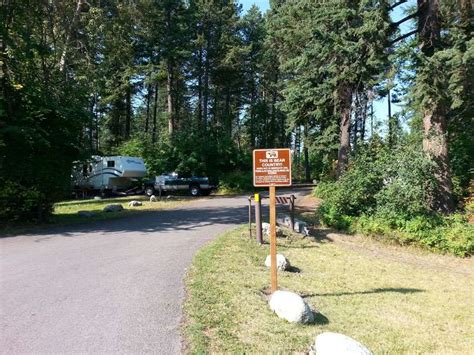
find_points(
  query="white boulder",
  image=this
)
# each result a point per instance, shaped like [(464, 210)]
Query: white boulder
[(113, 208), (134, 203), (282, 262), (290, 306), (266, 230), (338, 344), (153, 198)]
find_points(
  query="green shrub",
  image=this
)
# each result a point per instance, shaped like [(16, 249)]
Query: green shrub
[(236, 181), (451, 234), (20, 204), (386, 193), (392, 184)]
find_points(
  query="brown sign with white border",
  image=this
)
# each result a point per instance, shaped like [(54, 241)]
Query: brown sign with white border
[(271, 167)]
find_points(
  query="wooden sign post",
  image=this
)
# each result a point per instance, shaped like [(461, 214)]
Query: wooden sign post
[(272, 168)]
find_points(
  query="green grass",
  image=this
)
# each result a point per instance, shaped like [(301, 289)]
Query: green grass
[(66, 212), (390, 306)]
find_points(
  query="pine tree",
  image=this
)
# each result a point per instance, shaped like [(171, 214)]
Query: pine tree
[(345, 49)]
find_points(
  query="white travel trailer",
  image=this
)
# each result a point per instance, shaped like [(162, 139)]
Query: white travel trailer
[(107, 173)]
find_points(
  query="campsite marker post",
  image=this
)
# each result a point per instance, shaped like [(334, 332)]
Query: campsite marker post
[(272, 168)]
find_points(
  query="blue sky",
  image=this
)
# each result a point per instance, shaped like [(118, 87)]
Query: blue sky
[(263, 5)]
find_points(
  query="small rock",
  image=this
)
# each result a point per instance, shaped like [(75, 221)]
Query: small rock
[(134, 203), (338, 344), (113, 208), (284, 220), (282, 262), (300, 226), (290, 306), (266, 230), (85, 213), (153, 198), (97, 197), (169, 197)]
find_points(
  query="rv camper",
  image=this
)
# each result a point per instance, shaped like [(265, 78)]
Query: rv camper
[(107, 173)]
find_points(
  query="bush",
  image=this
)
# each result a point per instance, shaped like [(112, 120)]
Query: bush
[(236, 181), (391, 184), (448, 234), (386, 192), (19, 204)]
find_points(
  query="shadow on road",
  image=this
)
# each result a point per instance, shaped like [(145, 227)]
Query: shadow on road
[(187, 218)]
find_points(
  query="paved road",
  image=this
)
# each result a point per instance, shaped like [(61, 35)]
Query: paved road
[(111, 286)]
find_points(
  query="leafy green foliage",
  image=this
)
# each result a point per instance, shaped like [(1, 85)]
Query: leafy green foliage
[(24, 204), (43, 115), (447, 234), (236, 181), (386, 193), (381, 181)]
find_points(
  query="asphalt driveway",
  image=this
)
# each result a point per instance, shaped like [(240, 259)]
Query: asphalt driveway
[(112, 286)]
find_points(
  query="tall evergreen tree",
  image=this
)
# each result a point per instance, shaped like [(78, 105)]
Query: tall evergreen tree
[(345, 49)]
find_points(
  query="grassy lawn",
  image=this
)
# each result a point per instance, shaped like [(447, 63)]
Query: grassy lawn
[(65, 213), (387, 304)]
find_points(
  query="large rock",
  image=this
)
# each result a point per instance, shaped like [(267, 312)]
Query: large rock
[(338, 344), (153, 198), (134, 203), (266, 230), (290, 306), (282, 262), (113, 208)]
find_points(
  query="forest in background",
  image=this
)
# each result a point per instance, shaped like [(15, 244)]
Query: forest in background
[(195, 85)]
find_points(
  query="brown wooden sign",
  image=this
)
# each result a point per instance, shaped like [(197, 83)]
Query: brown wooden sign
[(271, 167)]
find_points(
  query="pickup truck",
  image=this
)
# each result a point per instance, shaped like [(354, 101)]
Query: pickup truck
[(173, 182)]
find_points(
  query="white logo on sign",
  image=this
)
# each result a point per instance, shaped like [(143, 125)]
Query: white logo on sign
[(272, 154)]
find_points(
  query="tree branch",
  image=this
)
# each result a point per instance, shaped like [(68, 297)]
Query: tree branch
[(397, 4), (409, 17), (408, 34)]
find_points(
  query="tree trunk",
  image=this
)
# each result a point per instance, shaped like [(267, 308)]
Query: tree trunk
[(200, 96), (155, 110), (91, 124), (436, 146), (228, 114), (128, 111), (74, 22), (391, 128), (307, 169), (169, 88), (206, 93), (97, 132), (206, 83), (435, 142), (148, 99), (344, 105)]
